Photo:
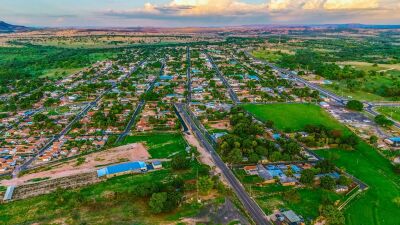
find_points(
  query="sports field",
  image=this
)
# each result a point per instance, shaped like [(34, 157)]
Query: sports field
[(293, 117)]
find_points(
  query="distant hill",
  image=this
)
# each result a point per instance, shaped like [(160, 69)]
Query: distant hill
[(9, 28)]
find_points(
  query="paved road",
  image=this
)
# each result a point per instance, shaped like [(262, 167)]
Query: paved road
[(251, 206), (232, 94), (370, 106), (138, 109), (188, 75)]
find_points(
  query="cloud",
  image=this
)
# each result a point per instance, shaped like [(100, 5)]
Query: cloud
[(294, 11)]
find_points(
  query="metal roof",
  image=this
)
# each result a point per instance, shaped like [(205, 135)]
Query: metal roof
[(124, 167), (9, 193)]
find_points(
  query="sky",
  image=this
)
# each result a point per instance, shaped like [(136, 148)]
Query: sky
[(184, 13)]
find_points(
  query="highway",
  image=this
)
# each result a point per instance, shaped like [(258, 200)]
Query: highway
[(231, 93), (370, 106), (250, 205), (138, 109)]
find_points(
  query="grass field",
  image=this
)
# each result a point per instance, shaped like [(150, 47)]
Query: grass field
[(293, 117), (160, 145), (269, 197), (393, 112), (108, 202), (375, 206)]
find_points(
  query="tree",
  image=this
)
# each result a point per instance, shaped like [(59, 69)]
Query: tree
[(291, 196), (355, 105), (332, 215), (158, 201), (343, 180), (205, 184), (373, 139), (180, 162), (383, 121), (327, 182), (325, 166), (307, 176)]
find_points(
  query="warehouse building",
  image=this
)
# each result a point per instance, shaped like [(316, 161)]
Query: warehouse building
[(124, 168)]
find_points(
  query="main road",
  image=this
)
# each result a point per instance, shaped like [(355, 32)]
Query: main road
[(139, 108), (232, 94), (250, 205)]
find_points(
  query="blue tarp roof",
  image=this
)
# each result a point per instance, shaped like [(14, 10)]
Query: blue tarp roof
[(130, 166), (395, 139), (166, 77)]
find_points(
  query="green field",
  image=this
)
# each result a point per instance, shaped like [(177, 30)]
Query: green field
[(160, 145), (293, 117), (270, 197), (375, 206), (392, 112), (108, 202)]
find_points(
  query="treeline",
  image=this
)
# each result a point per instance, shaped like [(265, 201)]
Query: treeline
[(31, 60), (246, 141)]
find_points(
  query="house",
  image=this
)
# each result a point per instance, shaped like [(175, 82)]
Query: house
[(156, 165), (341, 188), (394, 141), (251, 170), (291, 218)]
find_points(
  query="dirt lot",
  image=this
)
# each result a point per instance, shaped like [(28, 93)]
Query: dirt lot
[(223, 125), (131, 152)]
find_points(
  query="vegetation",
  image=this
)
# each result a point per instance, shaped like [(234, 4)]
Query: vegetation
[(355, 105), (160, 145), (383, 121), (293, 117)]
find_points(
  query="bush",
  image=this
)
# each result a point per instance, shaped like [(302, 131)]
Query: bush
[(355, 105)]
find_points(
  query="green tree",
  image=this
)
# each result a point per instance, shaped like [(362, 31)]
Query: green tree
[(383, 121), (327, 182), (307, 176), (180, 162), (205, 184), (158, 201), (355, 105), (332, 215)]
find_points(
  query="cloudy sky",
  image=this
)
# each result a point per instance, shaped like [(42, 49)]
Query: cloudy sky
[(173, 13)]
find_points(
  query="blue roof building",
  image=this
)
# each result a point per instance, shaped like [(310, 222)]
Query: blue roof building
[(129, 167), (166, 77), (253, 77), (9, 193)]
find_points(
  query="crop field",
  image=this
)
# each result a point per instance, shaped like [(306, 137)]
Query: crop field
[(393, 112), (377, 203), (293, 117), (160, 145), (108, 202)]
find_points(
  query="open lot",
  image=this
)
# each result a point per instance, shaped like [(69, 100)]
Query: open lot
[(131, 152), (159, 145)]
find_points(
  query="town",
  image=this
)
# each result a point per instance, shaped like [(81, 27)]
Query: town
[(200, 129)]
